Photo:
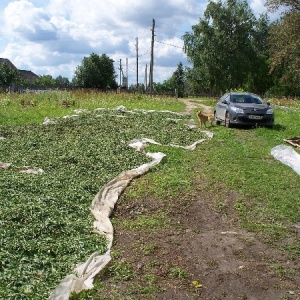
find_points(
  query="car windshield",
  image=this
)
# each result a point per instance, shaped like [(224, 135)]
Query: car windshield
[(245, 99)]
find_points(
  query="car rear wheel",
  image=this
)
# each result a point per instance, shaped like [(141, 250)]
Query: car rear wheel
[(218, 122), (227, 121)]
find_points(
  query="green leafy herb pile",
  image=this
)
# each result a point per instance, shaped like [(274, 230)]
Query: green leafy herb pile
[(46, 225)]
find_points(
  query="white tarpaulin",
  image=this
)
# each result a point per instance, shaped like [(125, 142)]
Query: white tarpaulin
[(101, 208), (288, 156)]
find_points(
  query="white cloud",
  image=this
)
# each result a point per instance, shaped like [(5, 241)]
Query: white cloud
[(52, 37), (44, 38), (22, 19), (258, 6)]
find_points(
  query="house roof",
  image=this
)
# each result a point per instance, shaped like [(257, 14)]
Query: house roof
[(29, 75), (5, 60)]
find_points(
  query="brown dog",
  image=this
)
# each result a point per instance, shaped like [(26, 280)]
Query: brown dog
[(205, 118)]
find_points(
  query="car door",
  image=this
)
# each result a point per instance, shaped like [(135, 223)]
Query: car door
[(221, 107)]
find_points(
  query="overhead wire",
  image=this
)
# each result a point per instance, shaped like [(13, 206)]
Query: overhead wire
[(182, 47)]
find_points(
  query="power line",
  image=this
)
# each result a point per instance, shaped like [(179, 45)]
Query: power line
[(140, 55), (182, 47)]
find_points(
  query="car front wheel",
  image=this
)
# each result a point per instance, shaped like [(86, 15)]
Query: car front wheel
[(227, 121)]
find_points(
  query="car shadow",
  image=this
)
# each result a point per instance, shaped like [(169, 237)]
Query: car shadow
[(277, 127)]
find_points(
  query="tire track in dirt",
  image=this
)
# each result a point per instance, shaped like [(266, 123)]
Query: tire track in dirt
[(190, 105)]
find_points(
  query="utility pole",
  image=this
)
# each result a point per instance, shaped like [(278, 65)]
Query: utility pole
[(137, 63), (151, 61), (146, 76), (120, 68), (126, 73)]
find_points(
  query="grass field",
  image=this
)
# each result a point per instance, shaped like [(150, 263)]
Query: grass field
[(42, 215), (20, 109), (45, 220)]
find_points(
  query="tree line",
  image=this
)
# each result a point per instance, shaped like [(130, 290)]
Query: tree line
[(232, 49), (229, 49), (95, 71)]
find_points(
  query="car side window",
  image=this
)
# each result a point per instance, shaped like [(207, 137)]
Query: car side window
[(256, 100), (241, 100)]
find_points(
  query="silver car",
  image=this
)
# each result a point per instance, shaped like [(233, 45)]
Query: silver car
[(243, 109)]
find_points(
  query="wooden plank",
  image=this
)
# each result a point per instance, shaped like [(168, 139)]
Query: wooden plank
[(293, 141)]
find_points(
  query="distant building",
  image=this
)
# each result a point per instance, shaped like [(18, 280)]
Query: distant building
[(5, 60), (29, 76)]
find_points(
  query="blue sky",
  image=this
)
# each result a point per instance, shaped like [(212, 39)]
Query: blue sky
[(53, 36)]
